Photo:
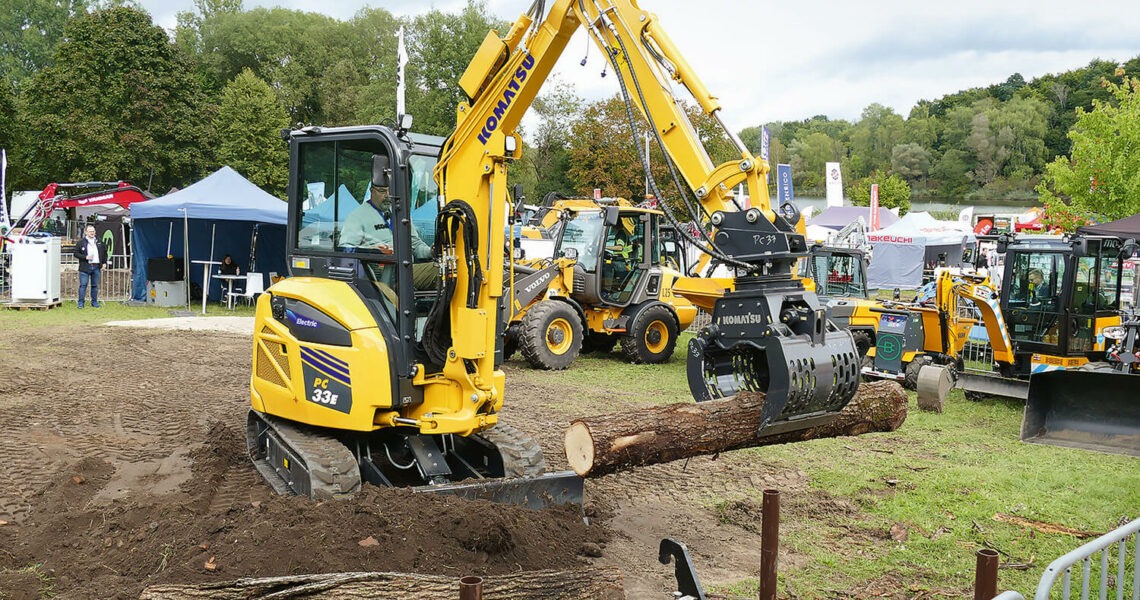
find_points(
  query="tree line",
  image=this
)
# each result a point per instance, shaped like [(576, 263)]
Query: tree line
[(97, 91)]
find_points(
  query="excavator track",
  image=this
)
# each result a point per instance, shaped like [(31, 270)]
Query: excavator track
[(296, 459)]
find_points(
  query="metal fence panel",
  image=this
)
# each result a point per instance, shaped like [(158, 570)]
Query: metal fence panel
[(114, 286), (1116, 573)]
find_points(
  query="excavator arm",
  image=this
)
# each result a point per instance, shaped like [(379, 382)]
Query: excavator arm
[(768, 335), (70, 195)]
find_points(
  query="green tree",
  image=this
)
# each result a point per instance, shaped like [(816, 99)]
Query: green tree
[(910, 161), (290, 50), (894, 192), (603, 155), (1102, 176), (440, 46), (558, 106), (249, 125), (808, 158), (873, 138), (361, 87), (951, 173), (29, 33), (7, 116), (119, 103)]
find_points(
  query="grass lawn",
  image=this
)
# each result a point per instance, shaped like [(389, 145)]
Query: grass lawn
[(69, 314), (938, 483)]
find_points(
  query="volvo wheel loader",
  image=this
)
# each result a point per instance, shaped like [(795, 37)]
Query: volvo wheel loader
[(358, 375), (606, 284)]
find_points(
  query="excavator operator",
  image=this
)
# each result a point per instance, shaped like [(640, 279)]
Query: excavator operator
[(369, 226), (1040, 293)]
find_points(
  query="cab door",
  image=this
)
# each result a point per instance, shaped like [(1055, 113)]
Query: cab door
[(625, 257)]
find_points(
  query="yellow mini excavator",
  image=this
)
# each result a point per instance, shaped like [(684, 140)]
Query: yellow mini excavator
[(365, 368)]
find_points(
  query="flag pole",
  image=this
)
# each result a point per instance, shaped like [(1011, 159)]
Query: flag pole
[(401, 60)]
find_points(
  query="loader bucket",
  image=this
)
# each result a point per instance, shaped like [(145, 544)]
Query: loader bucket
[(1093, 410)]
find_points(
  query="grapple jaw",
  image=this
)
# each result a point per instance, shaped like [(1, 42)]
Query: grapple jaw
[(776, 340)]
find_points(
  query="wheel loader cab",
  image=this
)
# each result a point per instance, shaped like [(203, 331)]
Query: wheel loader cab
[(837, 274), (616, 253)]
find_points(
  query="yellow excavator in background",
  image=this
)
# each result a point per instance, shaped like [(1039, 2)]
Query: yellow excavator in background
[(936, 331), (358, 373)]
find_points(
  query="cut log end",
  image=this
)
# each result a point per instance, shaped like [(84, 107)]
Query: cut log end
[(579, 448)]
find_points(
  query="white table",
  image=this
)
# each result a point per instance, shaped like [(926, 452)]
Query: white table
[(205, 279), (229, 279)]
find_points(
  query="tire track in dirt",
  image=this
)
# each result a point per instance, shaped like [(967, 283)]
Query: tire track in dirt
[(129, 400)]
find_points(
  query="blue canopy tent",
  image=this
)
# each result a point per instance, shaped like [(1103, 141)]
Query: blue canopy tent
[(222, 214), (332, 210)]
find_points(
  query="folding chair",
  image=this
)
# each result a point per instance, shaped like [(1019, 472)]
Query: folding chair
[(254, 285)]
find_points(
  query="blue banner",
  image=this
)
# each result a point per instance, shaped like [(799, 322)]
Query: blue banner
[(784, 189)]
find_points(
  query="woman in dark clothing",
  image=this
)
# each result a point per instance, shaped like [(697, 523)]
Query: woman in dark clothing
[(229, 267)]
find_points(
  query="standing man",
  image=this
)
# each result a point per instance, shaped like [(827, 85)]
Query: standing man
[(92, 255)]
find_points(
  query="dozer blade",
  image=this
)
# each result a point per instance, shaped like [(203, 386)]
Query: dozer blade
[(551, 489), (1093, 410)]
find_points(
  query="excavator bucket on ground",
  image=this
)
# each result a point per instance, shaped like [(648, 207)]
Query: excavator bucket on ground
[(1094, 410)]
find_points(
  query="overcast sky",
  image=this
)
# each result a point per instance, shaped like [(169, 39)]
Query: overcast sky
[(770, 61)]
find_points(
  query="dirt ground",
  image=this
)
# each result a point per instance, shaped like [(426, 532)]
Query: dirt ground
[(122, 464)]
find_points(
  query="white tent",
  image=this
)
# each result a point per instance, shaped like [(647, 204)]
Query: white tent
[(901, 251)]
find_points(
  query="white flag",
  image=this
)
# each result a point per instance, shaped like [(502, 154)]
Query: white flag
[(5, 222), (401, 61), (834, 181)]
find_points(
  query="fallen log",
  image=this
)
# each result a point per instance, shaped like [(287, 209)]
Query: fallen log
[(580, 584), (604, 444)]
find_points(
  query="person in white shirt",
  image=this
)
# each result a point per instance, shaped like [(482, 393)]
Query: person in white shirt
[(92, 255)]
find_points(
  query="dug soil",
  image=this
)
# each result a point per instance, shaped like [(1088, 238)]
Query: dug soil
[(123, 464)]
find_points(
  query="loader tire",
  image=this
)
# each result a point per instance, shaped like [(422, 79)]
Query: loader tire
[(522, 456), (551, 335), (651, 337), (1097, 366), (599, 343), (863, 342)]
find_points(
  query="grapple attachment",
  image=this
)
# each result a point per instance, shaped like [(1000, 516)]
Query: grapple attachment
[(780, 343)]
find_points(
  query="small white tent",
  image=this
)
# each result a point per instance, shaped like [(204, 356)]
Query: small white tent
[(901, 251)]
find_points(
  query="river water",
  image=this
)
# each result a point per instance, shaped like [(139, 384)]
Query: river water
[(941, 206)]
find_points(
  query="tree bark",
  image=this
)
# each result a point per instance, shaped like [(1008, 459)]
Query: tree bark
[(584, 584), (604, 444)]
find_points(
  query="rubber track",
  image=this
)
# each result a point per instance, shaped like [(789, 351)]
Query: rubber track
[(522, 456), (332, 468)]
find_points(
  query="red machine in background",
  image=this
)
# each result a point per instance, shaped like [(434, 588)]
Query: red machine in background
[(73, 195)]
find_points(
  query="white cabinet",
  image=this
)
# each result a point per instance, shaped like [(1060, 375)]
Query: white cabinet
[(35, 269)]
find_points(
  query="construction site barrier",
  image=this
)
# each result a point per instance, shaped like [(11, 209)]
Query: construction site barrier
[(1120, 577)]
